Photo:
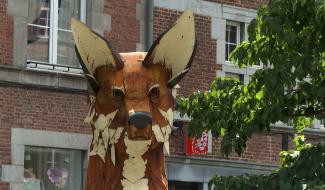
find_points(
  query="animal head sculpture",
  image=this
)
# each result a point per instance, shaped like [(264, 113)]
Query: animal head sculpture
[(131, 106)]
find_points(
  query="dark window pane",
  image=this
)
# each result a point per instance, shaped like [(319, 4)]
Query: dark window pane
[(38, 44), (180, 185), (233, 28), (66, 51), (38, 32), (227, 36), (42, 22), (285, 141), (227, 52), (41, 31), (38, 9), (231, 48), (68, 9), (233, 36), (237, 76), (43, 14), (52, 169)]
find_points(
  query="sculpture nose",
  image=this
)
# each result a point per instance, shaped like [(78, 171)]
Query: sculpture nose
[(140, 119)]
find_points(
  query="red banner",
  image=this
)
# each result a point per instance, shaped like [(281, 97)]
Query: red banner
[(197, 145)]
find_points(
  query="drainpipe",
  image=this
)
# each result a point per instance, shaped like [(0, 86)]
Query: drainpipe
[(149, 23)]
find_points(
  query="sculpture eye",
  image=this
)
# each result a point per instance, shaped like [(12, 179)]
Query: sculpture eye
[(118, 94), (154, 92)]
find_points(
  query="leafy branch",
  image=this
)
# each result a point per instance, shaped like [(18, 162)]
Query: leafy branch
[(292, 174), (287, 38)]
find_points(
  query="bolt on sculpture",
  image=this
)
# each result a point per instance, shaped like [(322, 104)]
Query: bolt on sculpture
[(131, 105)]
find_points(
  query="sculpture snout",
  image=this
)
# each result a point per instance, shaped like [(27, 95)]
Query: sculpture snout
[(140, 119)]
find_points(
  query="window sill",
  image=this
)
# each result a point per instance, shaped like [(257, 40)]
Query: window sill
[(39, 65), (227, 66), (41, 78), (310, 131), (228, 63)]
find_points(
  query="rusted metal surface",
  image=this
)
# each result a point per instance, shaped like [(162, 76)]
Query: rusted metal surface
[(131, 107)]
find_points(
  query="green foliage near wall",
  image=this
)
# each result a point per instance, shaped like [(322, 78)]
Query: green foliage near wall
[(288, 39), (301, 169)]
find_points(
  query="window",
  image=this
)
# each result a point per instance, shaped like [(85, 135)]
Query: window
[(49, 34), (179, 185), (321, 123), (318, 123), (52, 169), (232, 37), (285, 142), (237, 76), (39, 29)]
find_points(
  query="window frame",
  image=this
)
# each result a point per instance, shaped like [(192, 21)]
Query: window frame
[(238, 40), (55, 150), (52, 30), (231, 18), (235, 75), (240, 37)]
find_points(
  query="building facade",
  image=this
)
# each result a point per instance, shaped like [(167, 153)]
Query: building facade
[(43, 94)]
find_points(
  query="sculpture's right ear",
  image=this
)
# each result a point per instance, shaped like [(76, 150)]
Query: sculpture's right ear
[(93, 51), (175, 48)]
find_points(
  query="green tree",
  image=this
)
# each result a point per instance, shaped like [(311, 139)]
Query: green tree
[(288, 39), (293, 174)]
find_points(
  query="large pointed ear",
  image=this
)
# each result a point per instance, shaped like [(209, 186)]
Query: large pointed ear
[(175, 48), (93, 51)]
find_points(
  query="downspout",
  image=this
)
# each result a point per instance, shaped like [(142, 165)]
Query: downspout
[(149, 23)]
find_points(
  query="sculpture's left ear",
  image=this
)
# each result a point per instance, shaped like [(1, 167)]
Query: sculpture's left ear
[(93, 51), (175, 48)]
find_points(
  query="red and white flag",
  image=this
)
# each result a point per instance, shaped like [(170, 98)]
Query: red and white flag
[(199, 145)]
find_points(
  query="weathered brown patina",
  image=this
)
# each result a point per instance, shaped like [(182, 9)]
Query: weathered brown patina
[(131, 106)]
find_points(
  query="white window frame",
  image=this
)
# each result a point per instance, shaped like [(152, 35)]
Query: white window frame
[(54, 29), (239, 40), (229, 15), (238, 29)]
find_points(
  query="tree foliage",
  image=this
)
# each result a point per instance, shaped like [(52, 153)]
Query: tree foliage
[(292, 175), (288, 39)]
